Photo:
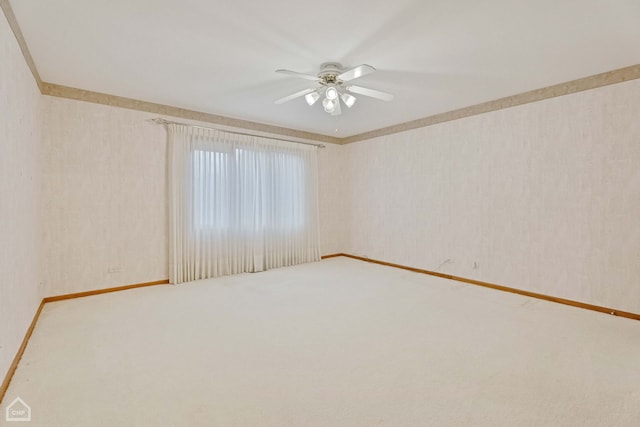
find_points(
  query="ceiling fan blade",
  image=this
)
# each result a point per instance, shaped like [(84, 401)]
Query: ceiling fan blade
[(297, 74), (355, 72), (370, 92), (295, 95)]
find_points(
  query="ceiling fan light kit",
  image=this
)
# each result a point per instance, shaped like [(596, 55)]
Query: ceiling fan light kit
[(331, 93), (312, 97), (348, 100), (331, 80), (328, 105)]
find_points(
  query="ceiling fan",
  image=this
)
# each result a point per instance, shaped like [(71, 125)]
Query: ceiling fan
[(332, 84)]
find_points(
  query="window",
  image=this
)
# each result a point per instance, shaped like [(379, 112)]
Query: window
[(248, 189), (211, 186), (239, 203)]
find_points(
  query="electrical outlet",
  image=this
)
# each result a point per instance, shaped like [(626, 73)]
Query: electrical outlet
[(113, 270), (476, 265)]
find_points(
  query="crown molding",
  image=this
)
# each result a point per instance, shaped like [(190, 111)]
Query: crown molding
[(586, 83), (52, 89), (567, 88), (59, 91), (17, 32)]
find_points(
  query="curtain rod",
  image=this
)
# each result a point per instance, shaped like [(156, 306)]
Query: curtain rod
[(161, 121)]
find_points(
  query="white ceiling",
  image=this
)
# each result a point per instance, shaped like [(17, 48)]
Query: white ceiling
[(220, 56)]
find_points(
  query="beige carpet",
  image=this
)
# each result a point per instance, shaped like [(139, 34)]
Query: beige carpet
[(335, 343)]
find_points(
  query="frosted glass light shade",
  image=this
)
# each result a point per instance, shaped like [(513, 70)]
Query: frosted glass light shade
[(311, 98), (348, 100), (329, 105), (331, 93)]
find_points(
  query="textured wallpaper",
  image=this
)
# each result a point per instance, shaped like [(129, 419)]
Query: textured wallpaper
[(543, 197), (106, 201), (20, 191), (332, 171), (105, 197)]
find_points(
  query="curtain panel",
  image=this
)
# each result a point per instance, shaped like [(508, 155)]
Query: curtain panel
[(239, 203)]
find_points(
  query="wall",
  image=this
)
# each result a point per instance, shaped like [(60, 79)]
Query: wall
[(544, 197), (332, 170), (106, 199), (20, 191)]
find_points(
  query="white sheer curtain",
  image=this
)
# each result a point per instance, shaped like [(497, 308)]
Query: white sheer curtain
[(239, 203)]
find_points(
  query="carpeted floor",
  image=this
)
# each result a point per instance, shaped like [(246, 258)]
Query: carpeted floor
[(335, 343)]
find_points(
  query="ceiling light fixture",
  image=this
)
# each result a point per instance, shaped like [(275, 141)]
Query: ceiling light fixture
[(330, 85), (329, 105), (331, 93), (348, 100), (312, 97)]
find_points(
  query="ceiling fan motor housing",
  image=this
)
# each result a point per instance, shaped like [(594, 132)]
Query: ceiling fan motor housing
[(329, 72)]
